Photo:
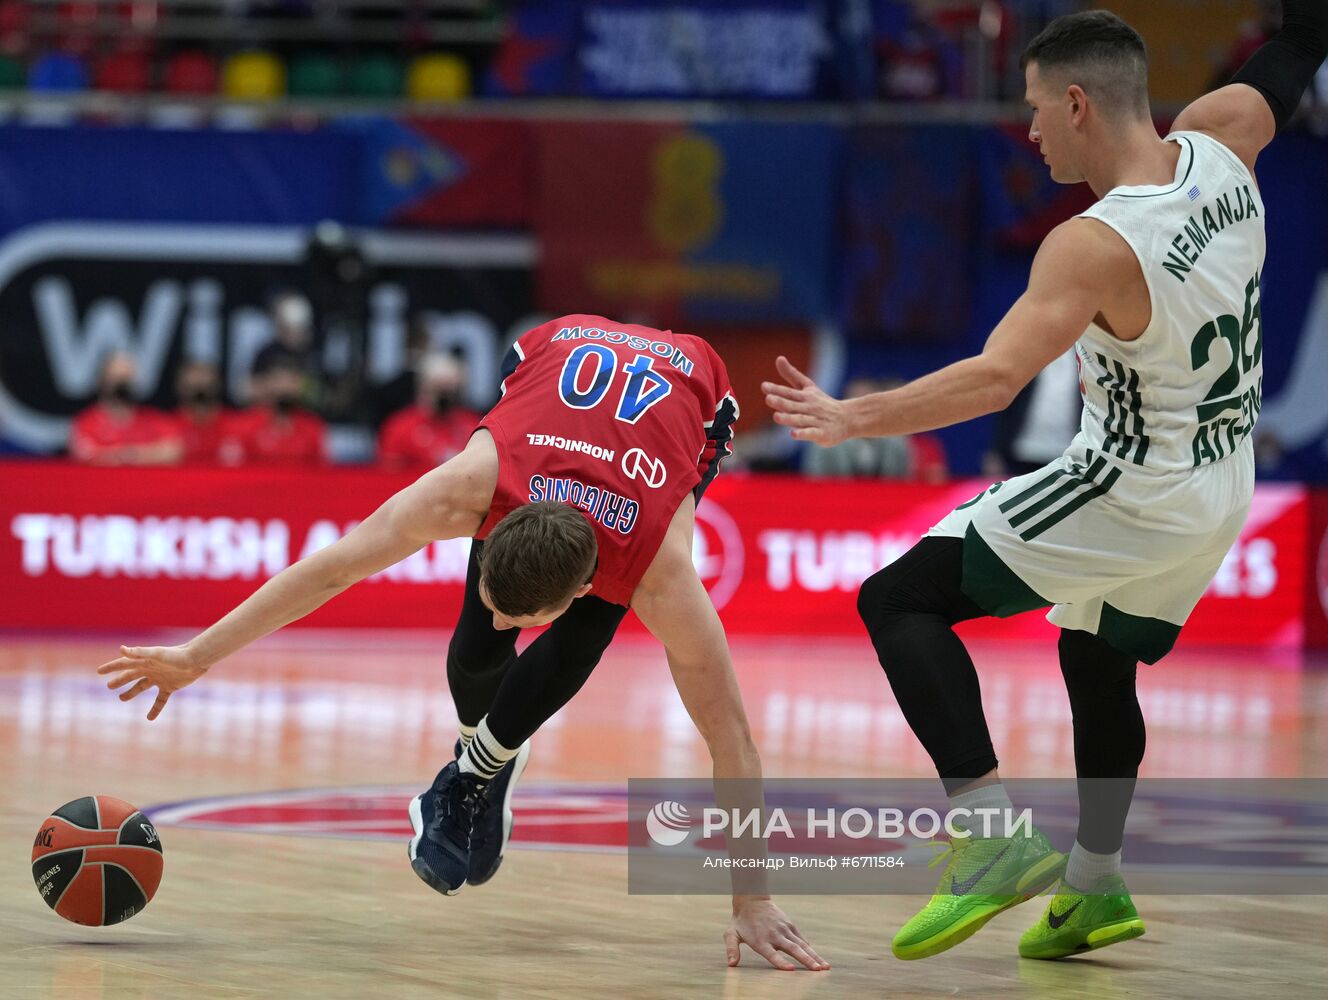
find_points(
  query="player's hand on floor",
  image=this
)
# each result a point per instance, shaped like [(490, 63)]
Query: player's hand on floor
[(166, 668), (766, 929), (803, 406)]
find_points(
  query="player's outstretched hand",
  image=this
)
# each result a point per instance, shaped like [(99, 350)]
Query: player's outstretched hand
[(803, 406), (763, 927), (166, 668)]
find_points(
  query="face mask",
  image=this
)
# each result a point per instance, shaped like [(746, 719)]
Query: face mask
[(287, 403), (118, 392)]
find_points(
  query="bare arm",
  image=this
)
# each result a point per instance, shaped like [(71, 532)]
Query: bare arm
[(1237, 116), (448, 502), (440, 504), (672, 603), (1077, 266), (165, 452)]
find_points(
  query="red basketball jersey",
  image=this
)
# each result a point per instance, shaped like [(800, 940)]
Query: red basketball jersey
[(621, 421)]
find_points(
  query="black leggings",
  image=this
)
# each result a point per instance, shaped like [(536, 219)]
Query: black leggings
[(910, 608), (520, 693)]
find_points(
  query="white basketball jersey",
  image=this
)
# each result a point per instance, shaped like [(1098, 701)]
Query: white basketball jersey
[(1187, 391)]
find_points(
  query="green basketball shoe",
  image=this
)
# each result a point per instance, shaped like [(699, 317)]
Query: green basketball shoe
[(983, 877), (1077, 921)]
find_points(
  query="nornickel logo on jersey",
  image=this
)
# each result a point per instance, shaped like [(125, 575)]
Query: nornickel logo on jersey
[(638, 465), (569, 444)]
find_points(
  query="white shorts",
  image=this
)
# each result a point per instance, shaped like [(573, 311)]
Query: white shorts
[(1120, 553)]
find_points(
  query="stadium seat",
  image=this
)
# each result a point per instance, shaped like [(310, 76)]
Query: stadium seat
[(13, 75), (314, 74), (190, 72), (58, 72), (376, 76), (253, 76), (438, 77), (124, 73)]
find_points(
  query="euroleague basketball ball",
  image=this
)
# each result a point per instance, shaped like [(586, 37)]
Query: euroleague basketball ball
[(97, 860)]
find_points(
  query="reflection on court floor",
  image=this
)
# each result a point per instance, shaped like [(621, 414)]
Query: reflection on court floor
[(323, 733)]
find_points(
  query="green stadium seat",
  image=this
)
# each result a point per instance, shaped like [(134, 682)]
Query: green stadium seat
[(380, 76), (314, 74), (13, 74)]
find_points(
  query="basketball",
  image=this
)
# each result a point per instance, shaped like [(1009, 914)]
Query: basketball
[(97, 860)]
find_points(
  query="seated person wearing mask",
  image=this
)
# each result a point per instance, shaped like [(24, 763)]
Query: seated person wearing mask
[(435, 427), (278, 430), (117, 429)]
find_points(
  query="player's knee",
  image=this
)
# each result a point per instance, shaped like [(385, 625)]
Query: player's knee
[(464, 661), (882, 599), (924, 581), (875, 594), (1137, 741)]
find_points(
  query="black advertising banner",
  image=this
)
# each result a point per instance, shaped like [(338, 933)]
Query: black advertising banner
[(72, 293)]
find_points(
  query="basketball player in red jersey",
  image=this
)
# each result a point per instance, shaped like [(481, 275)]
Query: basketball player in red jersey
[(580, 487)]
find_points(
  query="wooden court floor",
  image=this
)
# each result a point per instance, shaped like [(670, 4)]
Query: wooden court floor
[(266, 914)]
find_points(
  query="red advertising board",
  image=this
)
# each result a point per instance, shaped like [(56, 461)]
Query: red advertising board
[(1316, 575), (802, 547), (144, 548)]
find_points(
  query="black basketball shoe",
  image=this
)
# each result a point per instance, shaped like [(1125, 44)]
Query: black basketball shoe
[(441, 819), (493, 821)]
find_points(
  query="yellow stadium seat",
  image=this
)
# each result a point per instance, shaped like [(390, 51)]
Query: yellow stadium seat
[(438, 77), (253, 76)]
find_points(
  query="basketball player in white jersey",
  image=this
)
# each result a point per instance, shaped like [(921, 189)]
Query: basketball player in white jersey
[(1156, 287)]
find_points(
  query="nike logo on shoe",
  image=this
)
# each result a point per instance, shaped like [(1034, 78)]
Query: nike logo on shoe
[(1056, 922), (963, 888)]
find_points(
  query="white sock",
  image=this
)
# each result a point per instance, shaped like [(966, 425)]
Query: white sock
[(1085, 869), (484, 756), (992, 796), (467, 734)]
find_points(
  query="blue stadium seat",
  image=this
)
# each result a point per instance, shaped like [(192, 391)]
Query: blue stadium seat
[(58, 72)]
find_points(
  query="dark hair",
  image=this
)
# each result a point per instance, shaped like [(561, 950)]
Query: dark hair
[(537, 557), (1098, 51)]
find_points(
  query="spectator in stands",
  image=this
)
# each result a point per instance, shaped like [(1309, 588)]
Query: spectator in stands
[(913, 458), (914, 59), (209, 431), (435, 427), (117, 430), (292, 346), (279, 430)]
